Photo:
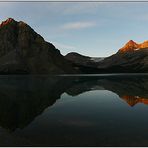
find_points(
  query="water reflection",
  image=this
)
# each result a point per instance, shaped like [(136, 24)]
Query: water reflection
[(133, 100), (22, 98)]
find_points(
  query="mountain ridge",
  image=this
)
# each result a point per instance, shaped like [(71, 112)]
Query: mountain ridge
[(132, 46), (23, 51), (131, 58)]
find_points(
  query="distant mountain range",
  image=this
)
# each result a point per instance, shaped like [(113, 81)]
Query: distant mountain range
[(23, 51), (132, 58)]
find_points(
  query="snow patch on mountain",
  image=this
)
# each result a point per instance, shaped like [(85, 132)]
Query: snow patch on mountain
[(96, 59)]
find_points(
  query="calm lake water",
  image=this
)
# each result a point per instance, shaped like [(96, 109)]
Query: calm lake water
[(86, 110)]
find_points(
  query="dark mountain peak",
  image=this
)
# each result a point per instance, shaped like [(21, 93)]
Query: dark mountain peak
[(77, 58), (72, 53), (131, 42), (129, 46), (25, 51), (22, 24), (12, 21), (75, 54), (8, 21)]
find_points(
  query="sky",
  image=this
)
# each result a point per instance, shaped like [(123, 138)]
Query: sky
[(96, 29)]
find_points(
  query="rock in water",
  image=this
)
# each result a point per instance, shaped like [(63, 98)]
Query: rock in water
[(23, 51)]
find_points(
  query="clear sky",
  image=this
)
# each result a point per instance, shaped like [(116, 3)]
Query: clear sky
[(96, 29)]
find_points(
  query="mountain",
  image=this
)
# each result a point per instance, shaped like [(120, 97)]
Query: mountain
[(132, 46), (81, 59), (129, 46), (131, 58), (23, 51), (84, 64)]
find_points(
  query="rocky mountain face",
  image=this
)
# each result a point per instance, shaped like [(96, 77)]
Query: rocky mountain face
[(23, 51), (81, 59), (129, 46), (84, 64), (132, 58), (132, 46)]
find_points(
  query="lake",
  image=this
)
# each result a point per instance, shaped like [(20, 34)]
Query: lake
[(76, 110)]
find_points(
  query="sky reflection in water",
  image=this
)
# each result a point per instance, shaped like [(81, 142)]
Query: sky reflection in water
[(74, 111)]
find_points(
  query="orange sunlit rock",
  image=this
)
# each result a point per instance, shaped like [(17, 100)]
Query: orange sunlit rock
[(6, 22), (132, 46), (129, 46), (132, 100), (144, 44)]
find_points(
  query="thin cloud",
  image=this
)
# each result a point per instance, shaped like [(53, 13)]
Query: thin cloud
[(78, 25), (81, 8)]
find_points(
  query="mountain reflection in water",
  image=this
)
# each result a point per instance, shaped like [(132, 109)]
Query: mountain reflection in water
[(23, 98)]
